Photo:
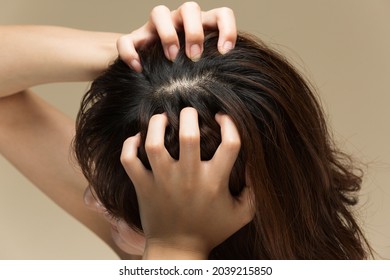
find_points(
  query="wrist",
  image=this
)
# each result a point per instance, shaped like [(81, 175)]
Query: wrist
[(160, 250)]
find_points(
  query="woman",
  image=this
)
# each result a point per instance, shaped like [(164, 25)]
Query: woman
[(35, 136), (300, 186)]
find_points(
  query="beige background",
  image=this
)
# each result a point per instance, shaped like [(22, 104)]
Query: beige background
[(342, 46)]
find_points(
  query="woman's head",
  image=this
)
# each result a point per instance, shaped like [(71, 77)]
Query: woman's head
[(302, 186)]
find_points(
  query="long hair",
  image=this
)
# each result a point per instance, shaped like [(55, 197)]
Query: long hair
[(303, 186)]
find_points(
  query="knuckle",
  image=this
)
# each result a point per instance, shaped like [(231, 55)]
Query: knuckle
[(190, 5), (125, 49), (194, 35), (232, 144), (153, 148), (169, 38), (125, 160), (226, 11), (128, 154), (157, 10), (160, 119), (121, 40), (125, 56), (191, 139)]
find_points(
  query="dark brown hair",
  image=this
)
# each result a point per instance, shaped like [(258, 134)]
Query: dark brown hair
[(303, 187)]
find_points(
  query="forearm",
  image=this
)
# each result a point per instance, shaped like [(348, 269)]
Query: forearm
[(33, 55), (36, 138)]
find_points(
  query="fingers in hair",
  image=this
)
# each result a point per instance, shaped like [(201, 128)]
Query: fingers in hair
[(158, 155), (228, 150), (222, 19), (131, 163), (128, 53), (191, 16), (189, 139), (162, 20)]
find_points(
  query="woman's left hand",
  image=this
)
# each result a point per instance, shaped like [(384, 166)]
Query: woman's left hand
[(164, 24)]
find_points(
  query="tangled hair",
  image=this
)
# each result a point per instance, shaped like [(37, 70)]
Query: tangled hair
[(303, 187)]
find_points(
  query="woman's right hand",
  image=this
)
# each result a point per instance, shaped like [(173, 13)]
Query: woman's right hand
[(185, 205), (164, 24)]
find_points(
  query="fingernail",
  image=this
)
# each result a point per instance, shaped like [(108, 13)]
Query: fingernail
[(173, 50), (227, 46), (195, 52), (136, 65)]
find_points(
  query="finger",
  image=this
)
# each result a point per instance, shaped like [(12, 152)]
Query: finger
[(190, 14), (189, 139), (224, 20), (157, 154), (227, 152), (131, 163), (128, 53), (162, 20)]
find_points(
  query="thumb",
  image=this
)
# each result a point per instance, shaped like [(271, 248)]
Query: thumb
[(246, 205)]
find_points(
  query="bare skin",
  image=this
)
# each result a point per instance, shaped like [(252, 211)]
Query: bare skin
[(34, 131), (201, 213)]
